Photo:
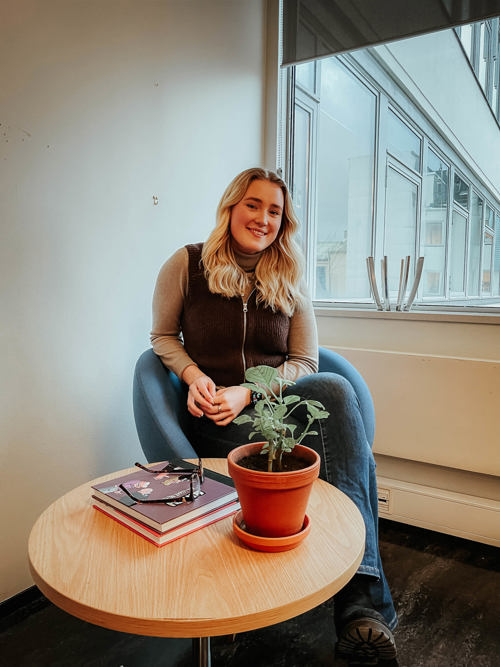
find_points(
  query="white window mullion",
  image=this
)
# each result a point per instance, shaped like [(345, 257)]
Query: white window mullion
[(381, 183)]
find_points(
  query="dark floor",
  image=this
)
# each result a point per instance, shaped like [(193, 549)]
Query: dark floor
[(446, 591)]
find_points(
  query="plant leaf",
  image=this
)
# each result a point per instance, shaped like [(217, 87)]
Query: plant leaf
[(259, 407), (251, 386), (242, 419), (280, 411), (263, 375), (269, 417), (315, 413), (316, 403), (285, 383), (268, 431)]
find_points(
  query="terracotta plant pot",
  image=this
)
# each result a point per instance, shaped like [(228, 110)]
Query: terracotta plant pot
[(273, 503)]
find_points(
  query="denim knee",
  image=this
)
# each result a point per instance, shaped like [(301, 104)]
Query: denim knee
[(328, 388)]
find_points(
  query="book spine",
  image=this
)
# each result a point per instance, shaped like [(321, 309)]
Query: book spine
[(159, 539), (112, 510), (121, 523)]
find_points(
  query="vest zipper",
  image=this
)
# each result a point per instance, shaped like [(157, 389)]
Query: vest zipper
[(245, 311)]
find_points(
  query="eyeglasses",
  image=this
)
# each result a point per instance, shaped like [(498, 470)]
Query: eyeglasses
[(195, 475)]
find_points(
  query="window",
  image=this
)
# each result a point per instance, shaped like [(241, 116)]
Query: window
[(435, 224), (481, 44), (476, 218), (487, 262), (461, 191), (403, 143), (372, 174), (495, 97), (484, 52), (495, 283), (301, 158), (487, 252), (466, 37), (400, 223), (340, 235), (458, 249)]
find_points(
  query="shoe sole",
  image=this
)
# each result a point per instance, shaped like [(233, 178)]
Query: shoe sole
[(365, 641)]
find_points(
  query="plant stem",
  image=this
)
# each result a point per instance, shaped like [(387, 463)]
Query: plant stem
[(270, 456)]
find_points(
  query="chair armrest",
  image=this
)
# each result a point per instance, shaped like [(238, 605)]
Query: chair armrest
[(160, 410)]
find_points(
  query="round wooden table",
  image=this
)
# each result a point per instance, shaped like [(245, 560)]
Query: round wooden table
[(205, 584)]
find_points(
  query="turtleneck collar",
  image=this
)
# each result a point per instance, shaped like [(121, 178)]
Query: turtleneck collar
[(247, 261)]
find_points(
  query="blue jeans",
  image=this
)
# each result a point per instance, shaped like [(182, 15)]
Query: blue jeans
[(346, 462)]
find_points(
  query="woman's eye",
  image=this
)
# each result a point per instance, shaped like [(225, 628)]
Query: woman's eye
[(275, 213), (252, 206)]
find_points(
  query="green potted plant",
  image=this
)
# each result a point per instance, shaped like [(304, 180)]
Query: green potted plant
[(274, 477)]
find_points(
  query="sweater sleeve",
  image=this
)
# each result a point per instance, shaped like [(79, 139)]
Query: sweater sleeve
[(302, 342), (168, 299)]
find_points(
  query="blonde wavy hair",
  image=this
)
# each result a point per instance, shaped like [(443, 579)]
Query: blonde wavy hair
[(280, 269)]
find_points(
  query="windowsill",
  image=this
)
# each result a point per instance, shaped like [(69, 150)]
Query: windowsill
[(415, 315)]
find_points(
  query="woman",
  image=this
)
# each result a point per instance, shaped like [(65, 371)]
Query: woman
[(238, 301)]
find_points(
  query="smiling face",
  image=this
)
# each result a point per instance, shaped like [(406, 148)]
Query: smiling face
[(256, 219)]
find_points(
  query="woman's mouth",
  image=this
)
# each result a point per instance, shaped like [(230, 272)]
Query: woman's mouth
[(257, 232)]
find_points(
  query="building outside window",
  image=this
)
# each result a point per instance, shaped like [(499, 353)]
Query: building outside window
[(481, 44), (373, 174)]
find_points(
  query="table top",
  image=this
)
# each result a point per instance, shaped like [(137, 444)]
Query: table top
[(205, 584)]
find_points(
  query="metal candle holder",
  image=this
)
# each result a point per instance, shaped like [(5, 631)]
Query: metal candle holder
[(401, 304)]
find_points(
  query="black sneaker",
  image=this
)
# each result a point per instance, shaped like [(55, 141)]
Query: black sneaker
[(363, 636), (366, 641)]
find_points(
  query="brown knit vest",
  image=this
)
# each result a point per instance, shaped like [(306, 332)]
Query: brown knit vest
[(221, 338)]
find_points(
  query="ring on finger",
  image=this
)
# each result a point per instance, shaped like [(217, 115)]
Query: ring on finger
[(220, 408)]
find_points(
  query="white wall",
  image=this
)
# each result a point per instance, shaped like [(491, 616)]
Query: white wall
[(102, 106)]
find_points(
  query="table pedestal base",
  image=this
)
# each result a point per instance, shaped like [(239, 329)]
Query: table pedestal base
[(201, 652)]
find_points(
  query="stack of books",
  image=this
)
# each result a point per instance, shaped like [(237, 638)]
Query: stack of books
[(161, 523)]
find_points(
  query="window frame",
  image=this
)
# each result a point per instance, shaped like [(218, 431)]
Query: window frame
[(301, 99)]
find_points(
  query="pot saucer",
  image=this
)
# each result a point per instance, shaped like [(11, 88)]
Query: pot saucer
[(269, 543)]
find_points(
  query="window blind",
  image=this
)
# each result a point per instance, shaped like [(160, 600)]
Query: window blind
[(317, 28)]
